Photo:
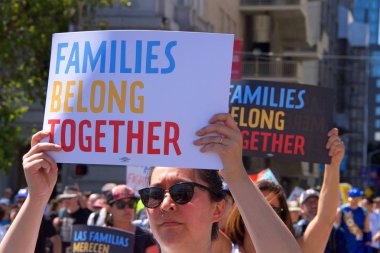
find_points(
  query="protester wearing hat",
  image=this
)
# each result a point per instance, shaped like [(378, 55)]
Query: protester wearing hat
[(21, 196), (5, 204), (294, 210), (309, 207), (355, 220), (122, 207), (46, 234), (8, 194), (72, 214)]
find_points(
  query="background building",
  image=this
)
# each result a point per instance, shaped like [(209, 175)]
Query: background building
[(283, 41), (327, 43), (185, 15)]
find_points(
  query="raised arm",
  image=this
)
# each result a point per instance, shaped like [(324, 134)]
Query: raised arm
[(317, 232), (261, 221), (41, 175)]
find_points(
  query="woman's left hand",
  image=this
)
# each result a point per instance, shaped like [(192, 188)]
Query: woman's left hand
[(223, 137), (336, 147)]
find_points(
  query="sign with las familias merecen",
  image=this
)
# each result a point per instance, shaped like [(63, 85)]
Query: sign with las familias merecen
[(283, 120)]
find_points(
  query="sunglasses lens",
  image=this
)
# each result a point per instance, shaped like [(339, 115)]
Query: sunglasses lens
[(123, 204), (152, 197), (182, 193), (120, 204), (278, 210)]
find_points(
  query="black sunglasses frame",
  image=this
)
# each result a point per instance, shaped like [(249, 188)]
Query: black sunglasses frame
[(176, 195)]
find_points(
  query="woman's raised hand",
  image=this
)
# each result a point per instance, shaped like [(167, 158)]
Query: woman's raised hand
[(223, 137), (40, 169), (336, 147)]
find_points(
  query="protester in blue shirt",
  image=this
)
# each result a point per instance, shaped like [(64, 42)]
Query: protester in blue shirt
[(354, 220)]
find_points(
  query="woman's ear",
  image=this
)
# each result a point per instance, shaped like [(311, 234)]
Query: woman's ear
[(219, 210)]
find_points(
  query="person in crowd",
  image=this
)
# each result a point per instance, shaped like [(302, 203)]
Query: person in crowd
[(21, 196), (47, 235), (72, 214), (182, 204), (98, 217), (122, 207), (91, 201), (309, 207), (185, 205), (3, 229), (294, 210), (236, 229), (8, 194), (317, 232), (367, 204), (55, 206), (5, 204), (355, 220), (374, 225)]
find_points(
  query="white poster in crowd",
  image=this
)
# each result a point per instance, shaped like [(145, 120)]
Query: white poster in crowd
[(296, 193), (137, 177), (136, 97)]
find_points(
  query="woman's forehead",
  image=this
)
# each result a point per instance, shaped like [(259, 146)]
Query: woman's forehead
[(163, 175), (271, 197)]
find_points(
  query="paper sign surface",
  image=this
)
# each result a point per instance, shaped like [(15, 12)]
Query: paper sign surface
[(136, 97)]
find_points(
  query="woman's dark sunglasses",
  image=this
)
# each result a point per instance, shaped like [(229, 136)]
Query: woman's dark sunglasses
[(120, 204), (278, 210), (181, 193)]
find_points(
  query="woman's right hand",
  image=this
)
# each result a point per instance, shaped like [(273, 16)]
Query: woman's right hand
[(40, 169)]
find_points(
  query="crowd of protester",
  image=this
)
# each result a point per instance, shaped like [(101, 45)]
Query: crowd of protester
[(106, 208), (240, 215)]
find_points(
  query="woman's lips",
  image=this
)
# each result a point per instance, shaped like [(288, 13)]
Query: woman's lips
[(170, 223)]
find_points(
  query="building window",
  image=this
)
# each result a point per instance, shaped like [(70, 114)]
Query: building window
[(377, 123), (377, 111), (378, 98), (376, 64), (377, 136), (378, 83)]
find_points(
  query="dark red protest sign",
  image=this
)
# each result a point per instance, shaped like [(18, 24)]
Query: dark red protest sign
[(282, 120), (237, 59)]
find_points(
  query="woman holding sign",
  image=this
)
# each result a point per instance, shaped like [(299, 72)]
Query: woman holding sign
[(318, 230), (176, 198)]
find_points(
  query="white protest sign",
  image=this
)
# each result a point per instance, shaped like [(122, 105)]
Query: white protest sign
[(296, 193), (138, 177), (136, 97)]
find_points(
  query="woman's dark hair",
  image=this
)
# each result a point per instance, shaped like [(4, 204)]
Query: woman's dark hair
[(108, 220), (270, 186), (215, 183), (235, 228)]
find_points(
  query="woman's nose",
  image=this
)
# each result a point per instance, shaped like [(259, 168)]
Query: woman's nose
[(167, 203)]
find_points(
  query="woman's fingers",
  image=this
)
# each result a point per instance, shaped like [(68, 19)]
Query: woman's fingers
[(36, 165), (42, 147), (43, 158), (335, 144), (37, 137), (226, 119)]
